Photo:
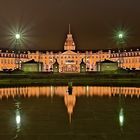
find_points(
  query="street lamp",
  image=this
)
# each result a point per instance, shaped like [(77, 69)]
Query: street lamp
[(120, 39), (17, 38)]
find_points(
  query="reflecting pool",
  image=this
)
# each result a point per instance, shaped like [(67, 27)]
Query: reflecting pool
[(51, 113)]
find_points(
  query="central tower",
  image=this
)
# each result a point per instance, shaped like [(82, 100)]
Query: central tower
[(69, 43)]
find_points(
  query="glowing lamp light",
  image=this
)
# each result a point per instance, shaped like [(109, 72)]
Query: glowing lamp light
[(17, 36), (120, 35)]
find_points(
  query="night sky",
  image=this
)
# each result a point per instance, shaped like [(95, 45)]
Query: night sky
[(45, 22)]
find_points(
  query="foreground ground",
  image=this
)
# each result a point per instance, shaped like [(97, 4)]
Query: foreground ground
[(110, 79)]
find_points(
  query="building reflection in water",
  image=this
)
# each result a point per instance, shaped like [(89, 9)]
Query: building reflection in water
[(61, 91), (69, 100)]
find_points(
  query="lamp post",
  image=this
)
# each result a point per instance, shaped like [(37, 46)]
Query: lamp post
[(120, 42), (17, 39), (120, 38)]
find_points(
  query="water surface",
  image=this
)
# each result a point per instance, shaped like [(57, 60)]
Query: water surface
[(89, 113)]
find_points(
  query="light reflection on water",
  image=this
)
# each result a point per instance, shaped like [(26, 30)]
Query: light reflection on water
[(17, 116), (121, 117), (21, 95)]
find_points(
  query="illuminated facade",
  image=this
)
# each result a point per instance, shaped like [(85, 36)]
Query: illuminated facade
[(69, 60)]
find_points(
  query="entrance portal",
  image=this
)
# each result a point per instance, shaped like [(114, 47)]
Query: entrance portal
[(69, 68)]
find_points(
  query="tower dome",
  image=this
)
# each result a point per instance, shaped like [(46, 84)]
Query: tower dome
[(69, 43)]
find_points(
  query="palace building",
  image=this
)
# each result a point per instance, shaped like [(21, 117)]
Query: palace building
[(70, 60)]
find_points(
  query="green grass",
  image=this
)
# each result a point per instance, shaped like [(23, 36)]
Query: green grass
[(41, 79), (64, 81)]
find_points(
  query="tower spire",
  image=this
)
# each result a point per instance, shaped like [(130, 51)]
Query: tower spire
[(69, 43), (69, 29)]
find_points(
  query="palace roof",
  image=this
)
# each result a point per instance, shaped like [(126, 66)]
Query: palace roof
[(30, 61), (107, 61)]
